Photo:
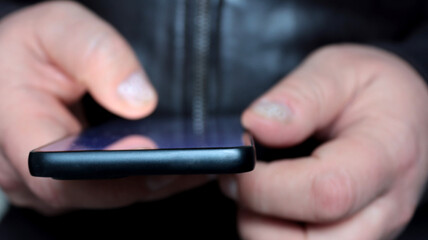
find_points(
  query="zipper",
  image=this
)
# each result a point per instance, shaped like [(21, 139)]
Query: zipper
[(179, 55), (200, 63)]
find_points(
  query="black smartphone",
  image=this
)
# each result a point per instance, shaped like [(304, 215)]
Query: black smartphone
[(155, 145)]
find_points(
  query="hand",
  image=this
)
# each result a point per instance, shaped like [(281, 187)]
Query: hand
[(365, 181), (50, 55)]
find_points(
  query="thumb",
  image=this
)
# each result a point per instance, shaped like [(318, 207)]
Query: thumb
[(91, 52), (307, 100)]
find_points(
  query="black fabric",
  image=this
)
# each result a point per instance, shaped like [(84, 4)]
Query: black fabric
[(255, 43)]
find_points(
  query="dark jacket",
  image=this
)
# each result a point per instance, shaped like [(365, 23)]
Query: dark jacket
[(228, 52), (221, 55), (240, 48)]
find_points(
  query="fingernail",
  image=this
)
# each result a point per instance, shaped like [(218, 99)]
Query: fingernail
[(136, 90), (272, 110), (156, 183), (230, 188)]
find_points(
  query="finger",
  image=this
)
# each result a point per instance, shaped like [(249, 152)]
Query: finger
[(89, 53), (378, 221), (12, 184), (340, 178), (23, 197), (253, 226), (49, 121), (56, 122), (17, 191), (100, 194), (92, 53), (132, 142), (343, 175), (307, 100)]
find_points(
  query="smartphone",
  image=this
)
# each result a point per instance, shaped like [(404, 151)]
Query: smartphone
[(154, 145)]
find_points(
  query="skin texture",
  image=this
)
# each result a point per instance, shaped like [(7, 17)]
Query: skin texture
[(50, 55), (367, 105), (364, 182)]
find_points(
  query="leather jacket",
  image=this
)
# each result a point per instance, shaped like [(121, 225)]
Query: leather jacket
[(216, 56)]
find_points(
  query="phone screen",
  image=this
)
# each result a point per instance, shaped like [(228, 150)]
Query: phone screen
[(155, 133), (155, 145)]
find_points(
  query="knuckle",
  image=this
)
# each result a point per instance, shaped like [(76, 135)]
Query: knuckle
[(310, 99), (103, 45), (311, 96), (10, 184), (333, 196), (408, 157), (9, 29), (48, 14), (14, 25), (9, 181), (102, 51)]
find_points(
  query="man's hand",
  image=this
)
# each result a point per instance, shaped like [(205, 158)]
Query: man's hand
[(365, 181), (50, 55)]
